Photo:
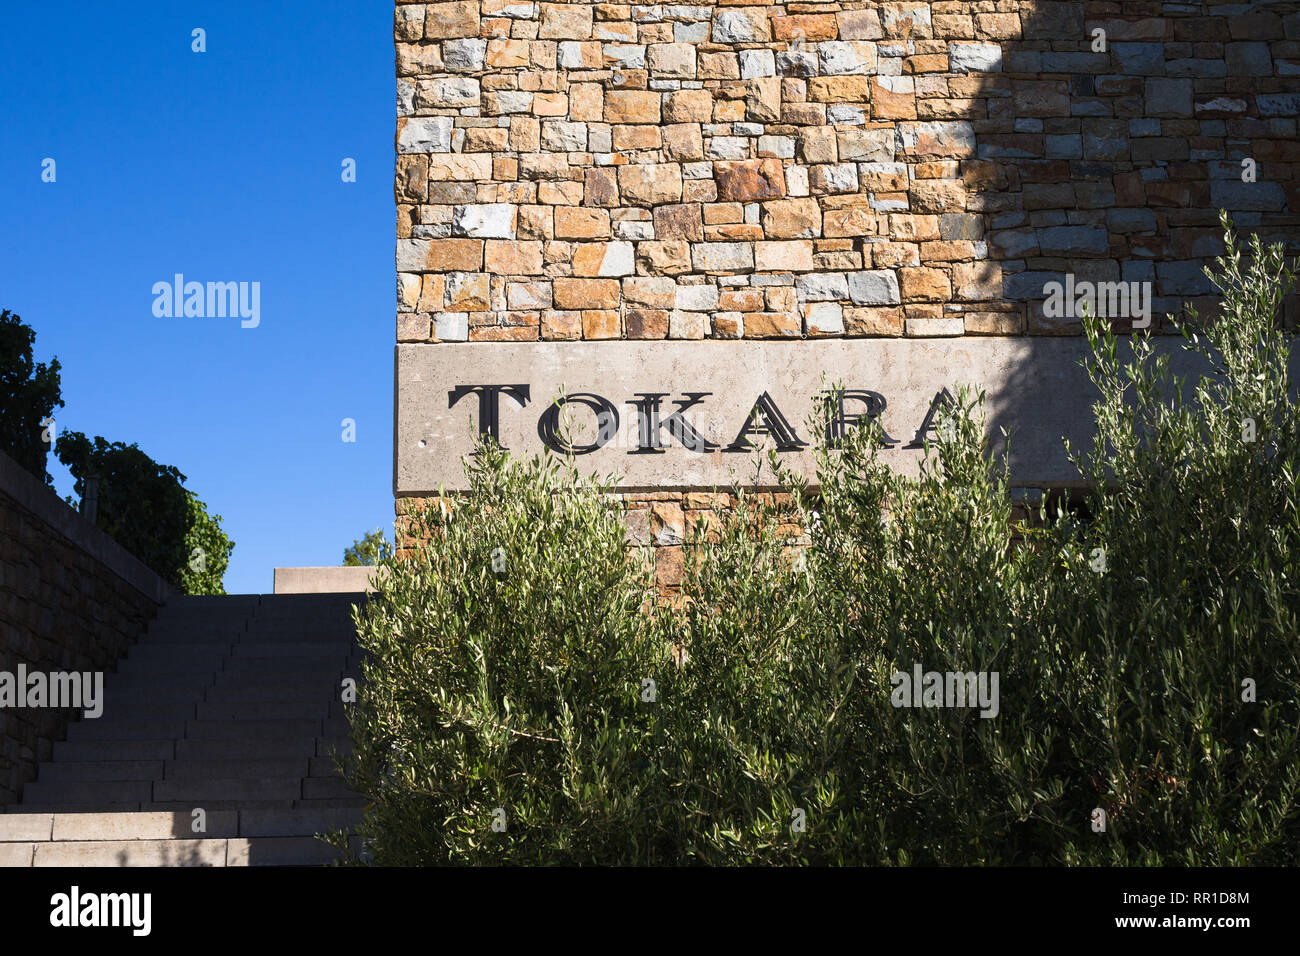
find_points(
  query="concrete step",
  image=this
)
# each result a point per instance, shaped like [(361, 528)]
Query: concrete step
[(286, 666), (182, 666), (164, 825), (197, 791), (117, 826), (279, 851), (196, 655), (87, 793), (237, 769), (17, 854), (117, 688), (135, 707), (325, 788), (328, 746), (324, 766), (170, 672), (100, 806), (163, 806), (92, 771), (23, 827), (181, 637), (134, 729), (301, 821), (267, 691), (241, 748), (277, 729), (75, 750), (267, 710), (102, 771), (284, 672), (132, 853), (307, 604), (214, 602), (298, 649)]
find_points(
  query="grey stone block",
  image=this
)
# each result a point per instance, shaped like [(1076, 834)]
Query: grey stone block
[(1073, 241), (1182, 278), (1168, 96), (875, 287), (1140, 59), (1259, 196), (1248, 59)]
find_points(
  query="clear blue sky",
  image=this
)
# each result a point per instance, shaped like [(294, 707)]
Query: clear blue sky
[(224, 166)]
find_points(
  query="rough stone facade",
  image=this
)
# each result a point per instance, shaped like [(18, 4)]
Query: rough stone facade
[(739, 169), (658, 526), (71, 599)]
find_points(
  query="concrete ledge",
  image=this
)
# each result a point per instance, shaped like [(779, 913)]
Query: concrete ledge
[(324, 580), (31, 494)]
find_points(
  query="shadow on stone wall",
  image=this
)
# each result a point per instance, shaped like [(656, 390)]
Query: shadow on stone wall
[(1109, 164)]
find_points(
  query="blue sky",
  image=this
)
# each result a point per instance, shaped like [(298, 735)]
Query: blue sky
[(224, 166)]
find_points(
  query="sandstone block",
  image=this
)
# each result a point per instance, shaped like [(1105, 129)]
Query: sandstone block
[(586, 293), (650, 184)]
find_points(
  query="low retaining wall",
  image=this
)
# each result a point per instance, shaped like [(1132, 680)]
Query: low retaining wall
[(328, 580), (71, 599)]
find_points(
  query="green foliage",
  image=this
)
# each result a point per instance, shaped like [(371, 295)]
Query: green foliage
[(29, 393), (143, 506), (207, 549), (513, 688), (373, 548), (516, 680)]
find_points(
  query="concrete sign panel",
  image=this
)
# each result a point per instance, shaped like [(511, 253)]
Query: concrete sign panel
[(688, 415)]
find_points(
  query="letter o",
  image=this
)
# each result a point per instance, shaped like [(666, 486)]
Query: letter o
[(607, 421)]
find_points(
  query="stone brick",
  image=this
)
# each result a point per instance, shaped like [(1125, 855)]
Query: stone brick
[(923, 284), (688, 106), (632, 106), (650, 184), (565, 21), (448, 20), (581, 222), (741, 25), (503, 257), (601, 324), (586, 293), (600, 187), (679, 222), (978, 280), (793, 255), (722, 256), (603, 259), (878, 287), (750, 180)]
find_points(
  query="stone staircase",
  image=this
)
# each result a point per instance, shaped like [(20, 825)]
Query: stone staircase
[(230, 705)]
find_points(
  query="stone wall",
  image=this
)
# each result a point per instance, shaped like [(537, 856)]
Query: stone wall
[(658, 524), (740, 169), (71, 599)]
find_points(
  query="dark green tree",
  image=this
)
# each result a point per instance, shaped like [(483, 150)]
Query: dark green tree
[(369, 550), (29, 393), (208, 549), (144, 507)]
